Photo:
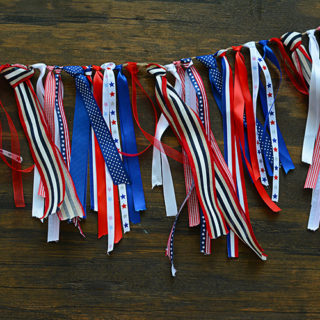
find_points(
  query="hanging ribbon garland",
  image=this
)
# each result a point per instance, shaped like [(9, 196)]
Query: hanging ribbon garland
[(104, 139)]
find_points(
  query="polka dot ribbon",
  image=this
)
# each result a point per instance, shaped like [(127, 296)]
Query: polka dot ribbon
[(105, 140)]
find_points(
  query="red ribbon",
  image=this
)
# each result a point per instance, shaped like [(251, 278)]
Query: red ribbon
[(294, 75), (100, 164), (172, 153), (15, 166)]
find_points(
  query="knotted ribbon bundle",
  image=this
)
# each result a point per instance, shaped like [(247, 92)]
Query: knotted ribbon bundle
[(104, 140), (61, 197), (213, 182)]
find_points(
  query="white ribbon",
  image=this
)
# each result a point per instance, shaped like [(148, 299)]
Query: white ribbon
[(161, 172), (314, 217), (312, 124)]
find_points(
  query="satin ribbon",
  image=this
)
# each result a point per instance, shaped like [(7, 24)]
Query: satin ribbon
[(161, 172), (243, 106), (135, 194), (100, 164), (294, 75), (243, 89), (190, 132), (312, 125)]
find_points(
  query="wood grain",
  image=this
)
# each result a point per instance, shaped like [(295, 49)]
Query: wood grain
[(75, 279)]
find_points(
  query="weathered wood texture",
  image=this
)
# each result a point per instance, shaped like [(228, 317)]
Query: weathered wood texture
[(75, 279)]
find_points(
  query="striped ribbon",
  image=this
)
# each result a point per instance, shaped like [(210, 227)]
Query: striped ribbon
[(201, 107), (214, 187), (61, 197), (37, 200), (300, 57)]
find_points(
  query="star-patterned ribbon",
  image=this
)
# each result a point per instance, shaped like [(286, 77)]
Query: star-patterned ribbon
[(105, 140)]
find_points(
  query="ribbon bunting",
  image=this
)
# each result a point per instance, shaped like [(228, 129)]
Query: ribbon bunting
[(104, 140)]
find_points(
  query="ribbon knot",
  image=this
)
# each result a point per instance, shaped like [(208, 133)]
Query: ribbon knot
[(186, 62), (16, 74), (96, 68), (57, 70), (291, 40), (208, 60), (156, 70), (237, 48), (132, 68), (108, 66), (221, 53), (74, 70)]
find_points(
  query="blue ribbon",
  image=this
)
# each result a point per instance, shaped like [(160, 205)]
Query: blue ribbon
[(79, 149), (136, 200)]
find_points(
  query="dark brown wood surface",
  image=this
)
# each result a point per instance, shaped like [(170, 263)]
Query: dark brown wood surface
[(75, 279)]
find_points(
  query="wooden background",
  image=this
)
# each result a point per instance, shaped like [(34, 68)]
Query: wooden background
[(75, 279)]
